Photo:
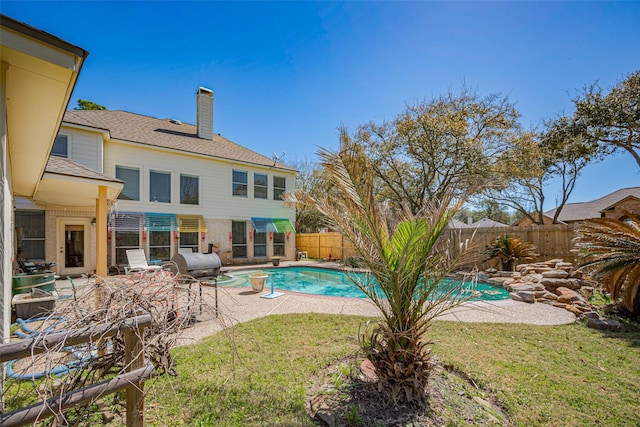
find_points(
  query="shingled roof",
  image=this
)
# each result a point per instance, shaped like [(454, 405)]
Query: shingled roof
[(166, 133), (592, 209), (63, 166)]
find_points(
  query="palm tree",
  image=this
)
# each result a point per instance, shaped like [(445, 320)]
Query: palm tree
[(611, 252), (407, 261), (510, 250)]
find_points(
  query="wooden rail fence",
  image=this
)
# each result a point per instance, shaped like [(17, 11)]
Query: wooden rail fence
[(135, 371), (551, 241)]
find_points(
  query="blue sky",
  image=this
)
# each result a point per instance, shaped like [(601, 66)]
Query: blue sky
[(287, 74)]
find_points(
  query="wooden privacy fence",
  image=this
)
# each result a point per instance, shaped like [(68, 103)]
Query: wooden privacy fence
[(551, 241), (324, 245), (131, 379)]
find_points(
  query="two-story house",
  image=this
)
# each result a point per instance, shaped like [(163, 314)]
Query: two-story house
[(185, 188)]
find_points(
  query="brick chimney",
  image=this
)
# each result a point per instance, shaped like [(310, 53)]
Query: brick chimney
[(205, 113)]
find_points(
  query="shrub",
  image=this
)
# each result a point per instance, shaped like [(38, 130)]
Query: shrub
[(510, 250)]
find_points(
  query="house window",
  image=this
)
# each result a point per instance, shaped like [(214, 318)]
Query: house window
[(278, 244), (131, 178), (239, 183), (260, 186), (160, 245), (126, 240), (260, 244), (189, 240), (160, 187), (189, 190), (279, 187), (30, 229), (239, 239), (61, 146)]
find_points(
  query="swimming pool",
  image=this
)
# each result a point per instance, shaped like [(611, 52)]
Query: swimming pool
[(321, 281)]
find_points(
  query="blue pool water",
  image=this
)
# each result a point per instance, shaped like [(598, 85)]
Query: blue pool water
[(320, 281)]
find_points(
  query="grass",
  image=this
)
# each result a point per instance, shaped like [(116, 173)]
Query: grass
[(541, 375)]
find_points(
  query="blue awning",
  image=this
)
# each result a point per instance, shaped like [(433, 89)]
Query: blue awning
[(263, 225), (160, 222)]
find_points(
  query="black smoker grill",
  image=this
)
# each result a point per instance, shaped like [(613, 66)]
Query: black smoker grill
[(198, 265), (204, 268)]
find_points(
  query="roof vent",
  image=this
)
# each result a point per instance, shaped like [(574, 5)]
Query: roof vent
[(175, 121), (205, 113)]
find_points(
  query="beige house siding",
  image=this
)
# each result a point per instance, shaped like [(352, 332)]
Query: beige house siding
[(217, 205), (84, 148)]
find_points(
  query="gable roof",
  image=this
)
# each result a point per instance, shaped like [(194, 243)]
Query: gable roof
[(592, 209), (487, 223), (454, 223), (166, 133), (70, 184), (63, 166)]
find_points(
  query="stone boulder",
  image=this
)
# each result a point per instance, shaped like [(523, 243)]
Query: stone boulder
[(555, 274), (604, 325)]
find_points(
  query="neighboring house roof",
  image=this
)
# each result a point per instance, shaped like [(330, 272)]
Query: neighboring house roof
[(592, 209), (487, 223), (454, 223), (166, 133)]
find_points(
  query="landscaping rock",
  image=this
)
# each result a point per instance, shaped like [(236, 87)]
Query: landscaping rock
[(591, 315), (552, 282), (533, 278), (555, 274), (604, 325), (566, 266), (500, 281), (525, 287), (587, 291), (573, 309), (526, 296), (576, 275)]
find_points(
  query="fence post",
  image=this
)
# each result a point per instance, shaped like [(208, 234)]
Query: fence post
[(134, 359)]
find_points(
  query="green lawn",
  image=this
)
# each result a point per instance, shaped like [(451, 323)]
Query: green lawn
[(562, 375)]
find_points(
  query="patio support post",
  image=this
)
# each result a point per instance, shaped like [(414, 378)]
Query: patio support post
[(101, 232)]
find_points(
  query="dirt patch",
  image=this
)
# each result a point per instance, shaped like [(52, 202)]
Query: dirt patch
[(342, 396)]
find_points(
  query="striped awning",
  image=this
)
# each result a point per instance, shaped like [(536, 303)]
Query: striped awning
[(160, 222), (191, 223), (125, 221)]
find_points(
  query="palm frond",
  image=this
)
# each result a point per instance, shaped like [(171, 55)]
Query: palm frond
[(610, 251)]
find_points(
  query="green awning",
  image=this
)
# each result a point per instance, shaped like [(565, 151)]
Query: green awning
[(283, 225)]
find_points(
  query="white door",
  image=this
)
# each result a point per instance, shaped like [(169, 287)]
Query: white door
[(74, 237)]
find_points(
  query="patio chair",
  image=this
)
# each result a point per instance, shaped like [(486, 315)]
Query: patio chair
[(138, 262)]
